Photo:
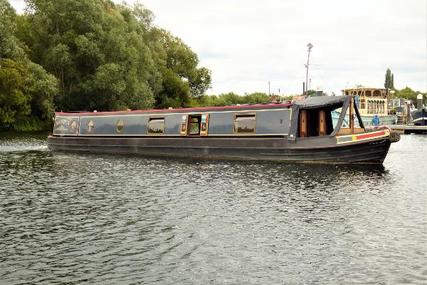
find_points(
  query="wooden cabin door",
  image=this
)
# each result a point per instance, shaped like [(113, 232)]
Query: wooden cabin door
[(194, 123), (303, 123)]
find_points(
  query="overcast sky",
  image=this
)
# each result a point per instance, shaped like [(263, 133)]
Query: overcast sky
[(246, 43)]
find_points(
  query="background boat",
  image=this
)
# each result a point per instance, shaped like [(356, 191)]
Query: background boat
[(372, 101), (419, 117)]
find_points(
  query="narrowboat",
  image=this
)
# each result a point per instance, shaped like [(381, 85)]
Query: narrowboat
[(302, 131)]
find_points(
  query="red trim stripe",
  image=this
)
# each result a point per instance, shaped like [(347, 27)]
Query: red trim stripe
[(370, 135), (178, 110)]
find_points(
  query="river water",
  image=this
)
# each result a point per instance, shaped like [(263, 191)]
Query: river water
[(103, 219)]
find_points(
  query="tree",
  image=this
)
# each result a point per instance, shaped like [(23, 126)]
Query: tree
[(14, 103), (181, 77), (89, 39), (87, 55), (110, 57), (311, 93), (26, 89), (228, 99), (389, 79), (256, 98), (406, 93)]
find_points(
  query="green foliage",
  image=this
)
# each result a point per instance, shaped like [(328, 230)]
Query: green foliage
[(41, 87), (14, 103), (110, 57), (406, 93), (181, 78), (26, 89), (26, 95), (86, 55), (231, 98), (389, 79), (9, 45), (311, 93)]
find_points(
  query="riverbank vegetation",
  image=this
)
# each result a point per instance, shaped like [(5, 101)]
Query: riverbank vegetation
[(405, 93), (236, 99), (90, 54)]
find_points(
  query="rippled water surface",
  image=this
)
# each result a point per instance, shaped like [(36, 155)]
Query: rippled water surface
[(103, 219)]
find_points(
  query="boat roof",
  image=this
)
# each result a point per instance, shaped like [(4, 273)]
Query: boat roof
[(321, 101), (179, 110), (308, 103)]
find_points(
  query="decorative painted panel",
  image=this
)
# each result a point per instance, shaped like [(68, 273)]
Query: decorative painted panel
[(66, 126), (113, 125)]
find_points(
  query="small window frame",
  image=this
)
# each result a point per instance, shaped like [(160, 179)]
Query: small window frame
[(151, 119), (244, 115)]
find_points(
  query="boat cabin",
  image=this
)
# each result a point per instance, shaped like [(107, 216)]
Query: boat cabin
[(312, 117)]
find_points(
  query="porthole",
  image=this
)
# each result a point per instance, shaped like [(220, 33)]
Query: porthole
[(120, 126), (90, 126)]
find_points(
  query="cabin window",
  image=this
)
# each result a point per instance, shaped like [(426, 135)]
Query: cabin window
[(369, 106), (244, 123), (362, 103), (346, 122), (156, 126), (194, 125), (351, 123)]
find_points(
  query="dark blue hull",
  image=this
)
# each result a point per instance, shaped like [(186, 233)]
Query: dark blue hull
[(266, 149)]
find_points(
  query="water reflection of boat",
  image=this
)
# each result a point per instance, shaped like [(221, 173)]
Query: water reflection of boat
[(371, 102), (301, 132)]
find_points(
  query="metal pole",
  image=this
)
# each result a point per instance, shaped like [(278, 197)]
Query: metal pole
[(310, 46)]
